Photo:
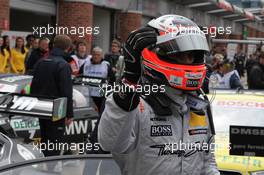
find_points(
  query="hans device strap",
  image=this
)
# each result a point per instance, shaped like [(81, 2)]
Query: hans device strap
[(209, 112)]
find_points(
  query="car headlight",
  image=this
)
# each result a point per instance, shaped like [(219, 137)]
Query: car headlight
[(257, 173), (25, 153)]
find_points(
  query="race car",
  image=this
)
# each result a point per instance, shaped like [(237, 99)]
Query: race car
[(19, 115), (230, 108), (85, 114), (88, 164), (13, 150)]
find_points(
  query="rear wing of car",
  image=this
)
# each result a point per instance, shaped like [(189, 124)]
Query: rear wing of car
[(34, 106)]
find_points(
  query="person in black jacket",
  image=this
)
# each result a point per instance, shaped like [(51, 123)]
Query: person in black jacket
[(239, 60), (256, 74), (52, 77), (41, 52), (113, 56)]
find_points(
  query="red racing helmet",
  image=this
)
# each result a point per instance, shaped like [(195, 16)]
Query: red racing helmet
[(162, 64)]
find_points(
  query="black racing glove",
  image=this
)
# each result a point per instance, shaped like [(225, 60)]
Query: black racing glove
[(136, 42)]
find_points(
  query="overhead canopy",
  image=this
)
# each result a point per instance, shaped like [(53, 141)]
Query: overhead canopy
[(225, 10), (237, 41)]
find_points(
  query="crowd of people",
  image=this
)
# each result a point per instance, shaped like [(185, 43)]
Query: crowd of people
[(53, 65), (23, 57), (224, 73), (221, 72), (12, 59), (129, 120)]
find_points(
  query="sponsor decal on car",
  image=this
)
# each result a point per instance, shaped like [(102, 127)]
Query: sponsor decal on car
[(8, 88), (21, 125), (240, 104), (15, 78), (77, 127)]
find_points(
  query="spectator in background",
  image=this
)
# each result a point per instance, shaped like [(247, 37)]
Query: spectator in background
[(216, 60), (18, 55), (221, 49), (73, 47), (98, 68), (230, 78), (239, 59), (4, 56), (249, 63), (216, 75), (113, 56), (30, 41), (52, 77), (78, 60), (6, 43), (37, 54), (35, 45), (6, 46), (256, 74)]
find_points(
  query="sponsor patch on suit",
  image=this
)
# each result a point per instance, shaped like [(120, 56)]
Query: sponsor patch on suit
[(197, 131), (158, 119), (160, 130), (197, 120)]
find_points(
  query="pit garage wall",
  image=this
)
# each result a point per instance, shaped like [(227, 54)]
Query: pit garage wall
[(97, 13), (73, 13), (4, 15), (40, 6), (45, 7), (102, 19), (26, 14)]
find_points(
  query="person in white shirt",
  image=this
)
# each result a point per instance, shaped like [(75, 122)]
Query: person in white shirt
[(78, 60), (227, 78), (98, 68)]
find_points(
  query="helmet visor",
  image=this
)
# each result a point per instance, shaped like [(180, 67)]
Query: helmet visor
[(170, 44), (195, 57)]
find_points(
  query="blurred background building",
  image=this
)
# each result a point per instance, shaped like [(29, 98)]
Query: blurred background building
[(116, 18)]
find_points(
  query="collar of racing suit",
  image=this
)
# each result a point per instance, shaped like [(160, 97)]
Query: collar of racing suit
[(178, 98), (161, 102), (182, 101), (186, 99)]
